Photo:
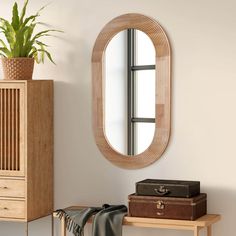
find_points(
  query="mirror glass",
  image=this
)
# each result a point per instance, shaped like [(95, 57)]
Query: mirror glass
[(130, 87)]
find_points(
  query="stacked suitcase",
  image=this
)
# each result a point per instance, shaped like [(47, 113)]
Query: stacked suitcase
[(168, 199)]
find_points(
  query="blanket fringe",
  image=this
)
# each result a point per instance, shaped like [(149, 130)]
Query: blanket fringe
[(71, 226)]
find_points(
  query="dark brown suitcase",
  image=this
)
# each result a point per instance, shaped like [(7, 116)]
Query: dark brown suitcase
[(170, 188), (168, 207)]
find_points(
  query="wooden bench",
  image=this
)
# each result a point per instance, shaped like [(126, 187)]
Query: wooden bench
[(205, 221)]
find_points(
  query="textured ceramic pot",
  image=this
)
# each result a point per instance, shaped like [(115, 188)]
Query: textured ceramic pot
[(17, 68)]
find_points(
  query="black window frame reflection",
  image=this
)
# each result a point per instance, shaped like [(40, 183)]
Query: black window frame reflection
[(132, 68)]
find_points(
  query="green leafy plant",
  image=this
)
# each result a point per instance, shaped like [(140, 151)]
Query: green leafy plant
[(20, 40)]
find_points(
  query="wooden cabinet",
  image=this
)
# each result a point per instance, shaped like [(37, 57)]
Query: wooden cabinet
[(26, 149)]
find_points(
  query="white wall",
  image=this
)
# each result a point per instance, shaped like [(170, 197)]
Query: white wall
[(202, 146)]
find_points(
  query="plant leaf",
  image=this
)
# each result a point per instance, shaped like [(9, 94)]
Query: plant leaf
[(41, 43), (3, 29), (15, 17), (28, 19), (19, 43), (44, 33), (34, 54), (42, 53), (6, 52), (3, 44), (29, 32), (23, 11), (33, 51), (1, 54), (9, 32), (36, 57), (48, 55), (4, 48), (28, 46), (43, 7)]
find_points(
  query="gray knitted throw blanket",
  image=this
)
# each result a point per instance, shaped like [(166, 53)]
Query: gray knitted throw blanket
[(107, 220)]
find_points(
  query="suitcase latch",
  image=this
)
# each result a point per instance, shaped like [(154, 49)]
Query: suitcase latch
[(160, 205), (161, 190)]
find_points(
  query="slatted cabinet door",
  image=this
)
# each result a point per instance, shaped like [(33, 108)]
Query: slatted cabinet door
[(12, 134)]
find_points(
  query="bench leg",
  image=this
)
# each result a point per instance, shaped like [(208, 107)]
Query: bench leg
[(63, 227), (196, 231), (209, 230)]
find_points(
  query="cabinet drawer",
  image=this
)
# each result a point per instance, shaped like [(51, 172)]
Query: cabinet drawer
[(12, 209), (12, 188)]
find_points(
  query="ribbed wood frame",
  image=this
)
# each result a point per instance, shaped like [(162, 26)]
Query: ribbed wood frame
[(163, 90)]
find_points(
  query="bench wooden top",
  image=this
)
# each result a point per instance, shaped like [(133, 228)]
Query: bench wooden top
[(201, 222)]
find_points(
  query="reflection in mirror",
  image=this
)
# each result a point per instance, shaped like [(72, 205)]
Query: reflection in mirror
[(130, 92)]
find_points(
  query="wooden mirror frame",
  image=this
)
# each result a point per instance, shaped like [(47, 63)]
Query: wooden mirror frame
[(163, 90)]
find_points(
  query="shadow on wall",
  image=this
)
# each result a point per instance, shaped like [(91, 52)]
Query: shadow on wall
[(75, 61), (70, 136), (71, 115), (222, 201), (82, 174)]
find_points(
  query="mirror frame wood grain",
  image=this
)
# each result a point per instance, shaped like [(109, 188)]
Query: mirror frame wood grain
[(163, 90)]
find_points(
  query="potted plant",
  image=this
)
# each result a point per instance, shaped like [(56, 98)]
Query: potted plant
[(20, 46)]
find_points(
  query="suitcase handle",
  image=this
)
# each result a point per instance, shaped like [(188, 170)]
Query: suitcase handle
[(161, 190)]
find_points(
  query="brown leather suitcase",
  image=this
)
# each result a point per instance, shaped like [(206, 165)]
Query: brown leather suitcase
[(168, 207), (170, 188)]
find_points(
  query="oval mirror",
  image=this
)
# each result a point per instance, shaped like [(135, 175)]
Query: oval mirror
[(131, 91)]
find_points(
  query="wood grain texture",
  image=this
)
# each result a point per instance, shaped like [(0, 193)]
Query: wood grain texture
[(26, 154), (12, 209), (163, 90), (63, 227), (12, 187), (39, 148), (209, 230), (196, 231), (12, 219)]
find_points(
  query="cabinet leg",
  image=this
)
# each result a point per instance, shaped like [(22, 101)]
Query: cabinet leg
[(63, 227), (209, 230), (26, 228), (196, 231), (52, 225)]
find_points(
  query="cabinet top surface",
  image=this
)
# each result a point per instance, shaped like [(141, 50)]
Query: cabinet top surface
[(23, 81)]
